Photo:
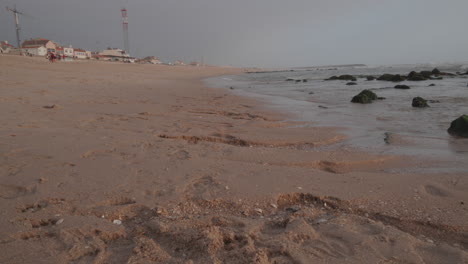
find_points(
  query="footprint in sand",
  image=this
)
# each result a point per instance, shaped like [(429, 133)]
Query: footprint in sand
[(180, 154), (14, 191), (205, 187), (436, 190), (328, 166)]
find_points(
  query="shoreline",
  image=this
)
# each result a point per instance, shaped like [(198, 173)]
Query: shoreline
[(377, 128), (196, 173)]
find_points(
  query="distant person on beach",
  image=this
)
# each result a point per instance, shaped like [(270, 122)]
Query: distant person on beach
[(52, 57)]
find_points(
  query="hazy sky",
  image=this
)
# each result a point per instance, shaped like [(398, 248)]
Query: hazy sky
[(265, 33)]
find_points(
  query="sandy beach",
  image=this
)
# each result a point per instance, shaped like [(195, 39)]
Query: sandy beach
[(120, 163)]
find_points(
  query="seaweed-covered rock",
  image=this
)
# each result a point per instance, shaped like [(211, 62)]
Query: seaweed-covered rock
[(361, 99), (435, 71), (370, 94), (345, 77), (402, 86), (364, 97), (391, 77), (419, 102), (426, 74), (459, 127), (416, 76), (370, 78), (351, 83)]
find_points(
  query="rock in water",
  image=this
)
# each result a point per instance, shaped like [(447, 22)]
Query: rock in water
[(348, 77), (419, 102), (370, 78), (345, 77), (426, 74), (435, 71), (364, 97), (459, 127), (402, 86), (391, 78), (416, 76), (431, 85), (351, 83)]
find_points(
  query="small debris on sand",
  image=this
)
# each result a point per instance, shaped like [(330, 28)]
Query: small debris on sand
[(49, 106)]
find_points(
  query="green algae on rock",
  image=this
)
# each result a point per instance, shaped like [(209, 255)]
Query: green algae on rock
[(419, 102), (459, 127), (364, 97)]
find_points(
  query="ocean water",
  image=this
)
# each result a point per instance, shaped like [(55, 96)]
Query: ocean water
[(420, 132)]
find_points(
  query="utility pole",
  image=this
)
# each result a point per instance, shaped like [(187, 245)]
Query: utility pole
[(16, 13), (125, 30)]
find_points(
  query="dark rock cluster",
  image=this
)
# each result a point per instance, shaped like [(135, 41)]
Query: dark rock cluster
[(419, 102), (402, 86), (345, 77), (459, 127), (364, 97), (391, 78)]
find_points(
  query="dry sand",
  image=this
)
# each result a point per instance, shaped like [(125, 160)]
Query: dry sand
[(118, 163)]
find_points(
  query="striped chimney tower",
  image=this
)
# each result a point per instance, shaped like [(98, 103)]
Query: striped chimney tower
[(125, 29)]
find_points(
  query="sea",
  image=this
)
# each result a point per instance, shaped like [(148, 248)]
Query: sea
[(391, 126)]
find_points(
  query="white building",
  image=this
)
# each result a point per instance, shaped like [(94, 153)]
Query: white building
[(35, 50), (48, 44), (114, 53), (111, 54), (5, 47), (81, 54), (68, 51)]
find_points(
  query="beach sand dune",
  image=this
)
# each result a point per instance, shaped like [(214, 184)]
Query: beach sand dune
[(119, 163)]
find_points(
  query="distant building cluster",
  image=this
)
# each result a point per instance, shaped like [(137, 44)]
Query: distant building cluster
[(45, 47)]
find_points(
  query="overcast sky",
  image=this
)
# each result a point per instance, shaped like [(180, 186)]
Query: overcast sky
[(264, 33)]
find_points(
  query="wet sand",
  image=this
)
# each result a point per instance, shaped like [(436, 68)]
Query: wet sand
[(119, 163)]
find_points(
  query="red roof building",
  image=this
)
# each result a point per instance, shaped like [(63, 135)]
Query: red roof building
[(5, 44), (49, 44)]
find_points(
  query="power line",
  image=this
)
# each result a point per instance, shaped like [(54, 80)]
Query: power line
[(18, 29)]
